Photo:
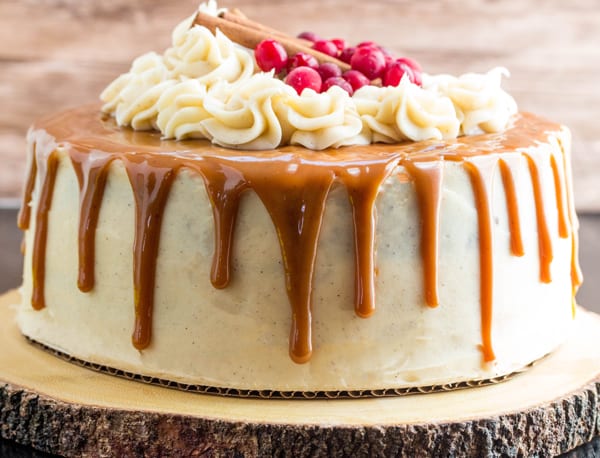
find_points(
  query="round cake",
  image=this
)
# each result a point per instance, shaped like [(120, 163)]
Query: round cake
[(246, 265)]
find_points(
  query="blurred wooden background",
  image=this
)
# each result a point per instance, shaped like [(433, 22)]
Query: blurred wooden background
[(59, 53)]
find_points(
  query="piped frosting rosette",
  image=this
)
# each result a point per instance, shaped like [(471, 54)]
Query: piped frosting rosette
[(480, 103), (207, 87), (406, 112)]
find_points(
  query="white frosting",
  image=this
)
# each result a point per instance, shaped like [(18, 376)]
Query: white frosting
[(206, 86), (481, 103), (208, 58), (406, 112), (132, 98), (158, 86), (249, 114), (181, 110), (325, 120)]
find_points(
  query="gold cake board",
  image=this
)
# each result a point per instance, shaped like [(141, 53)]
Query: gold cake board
[(62, 408)]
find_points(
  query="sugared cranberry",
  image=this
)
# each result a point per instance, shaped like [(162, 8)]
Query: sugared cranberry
[(301, 78), (346, 54), (338, 81), (370, 61), (310, 36), (270, 55), (329, 70), (394, 73), (326, 47), (302, 59), (356, 79), (340, 43)]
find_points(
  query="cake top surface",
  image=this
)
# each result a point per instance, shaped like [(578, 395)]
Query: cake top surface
[(86, 128), (211, 84)]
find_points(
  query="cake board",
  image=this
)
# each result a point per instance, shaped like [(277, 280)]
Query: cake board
[(58, 407)]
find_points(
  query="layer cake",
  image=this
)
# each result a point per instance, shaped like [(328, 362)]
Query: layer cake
[(358, 267)]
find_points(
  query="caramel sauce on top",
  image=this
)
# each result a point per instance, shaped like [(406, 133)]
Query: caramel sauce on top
[(293, 184)]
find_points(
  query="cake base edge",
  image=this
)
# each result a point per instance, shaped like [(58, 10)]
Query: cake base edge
[(278, 394)]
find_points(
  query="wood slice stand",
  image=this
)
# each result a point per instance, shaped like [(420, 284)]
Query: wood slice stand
[(61, 408)]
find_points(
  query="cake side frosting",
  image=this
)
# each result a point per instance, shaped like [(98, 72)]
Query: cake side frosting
[(375, 232)]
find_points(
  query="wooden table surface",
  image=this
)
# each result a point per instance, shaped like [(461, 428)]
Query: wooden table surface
[(55, 54)]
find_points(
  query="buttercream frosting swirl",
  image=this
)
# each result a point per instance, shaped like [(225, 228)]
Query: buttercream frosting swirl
[(181, 110), (480, 102), (141, 96), (325, 120), (406, 112), (132, 98), (249, 114), (206, 86)]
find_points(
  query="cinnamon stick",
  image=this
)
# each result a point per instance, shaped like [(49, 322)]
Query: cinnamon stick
[(237, 12), (234, 16), (249, 37)]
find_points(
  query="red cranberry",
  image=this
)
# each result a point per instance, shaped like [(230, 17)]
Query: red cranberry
[(326, 47), (417, 78), (411, 63), (310, 36), (337, 81), (340, 43), (301, 78), (302, 59), (394, 73), (346, 54), (369, 61), (270, 55), (367, 44), (415, 69), (329, 70), (356, 79)]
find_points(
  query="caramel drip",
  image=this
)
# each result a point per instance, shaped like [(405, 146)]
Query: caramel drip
[(91, 171), (507, 170), (481, 171), (544, 239), (151, 184), (25, 211), (576, 274), (362, 183), (428, 183), (47, 176), (563, 230), (296, 205), (293, 184), (224, 186)]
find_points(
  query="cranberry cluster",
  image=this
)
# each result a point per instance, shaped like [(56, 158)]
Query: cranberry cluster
[(369, 62)]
